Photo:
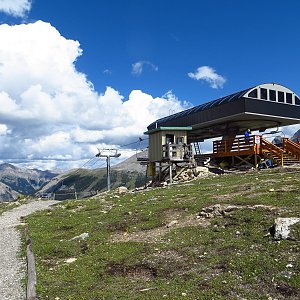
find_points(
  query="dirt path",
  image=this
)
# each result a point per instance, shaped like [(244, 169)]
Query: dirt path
[(12, 267)]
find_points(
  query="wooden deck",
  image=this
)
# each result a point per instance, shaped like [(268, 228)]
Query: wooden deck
[(256, 146)]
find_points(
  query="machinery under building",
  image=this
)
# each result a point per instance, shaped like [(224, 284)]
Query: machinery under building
[(175, 140)]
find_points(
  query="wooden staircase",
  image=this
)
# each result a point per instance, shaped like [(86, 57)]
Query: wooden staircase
[(288, 154), (287, 159)]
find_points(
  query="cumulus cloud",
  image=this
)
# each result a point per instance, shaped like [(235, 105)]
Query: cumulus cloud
[(17, 8), (208, 74), (50, 114), (137, 68)]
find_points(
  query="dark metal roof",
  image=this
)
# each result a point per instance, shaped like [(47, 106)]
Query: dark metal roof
[(200, 107), (253, 108)]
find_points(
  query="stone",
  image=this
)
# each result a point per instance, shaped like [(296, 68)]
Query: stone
[(172, 223), (189, 172), (202, 169), (82, 236), (280, 229), (122, 190), (70, 260)]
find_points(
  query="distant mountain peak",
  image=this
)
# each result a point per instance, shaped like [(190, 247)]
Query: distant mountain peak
[(6, 166)]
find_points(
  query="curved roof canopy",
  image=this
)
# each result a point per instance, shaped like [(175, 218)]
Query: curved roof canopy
[(260, 107)]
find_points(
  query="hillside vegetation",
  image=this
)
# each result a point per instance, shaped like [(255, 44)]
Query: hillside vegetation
[(206, 239), (85, 182)]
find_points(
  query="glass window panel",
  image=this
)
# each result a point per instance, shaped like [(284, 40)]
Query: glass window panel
[(264, 94), (297, 100), (289, 98), (253, 94), (272, 95), (281, 97), (180, 140)]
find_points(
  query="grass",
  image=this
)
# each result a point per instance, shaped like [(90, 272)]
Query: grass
[(6, 206), (131, 253)]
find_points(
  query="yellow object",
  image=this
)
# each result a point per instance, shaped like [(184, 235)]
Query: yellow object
[(151, 169), (224, 164)]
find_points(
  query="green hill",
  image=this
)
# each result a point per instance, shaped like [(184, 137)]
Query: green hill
[(206, 239), (87, 182)]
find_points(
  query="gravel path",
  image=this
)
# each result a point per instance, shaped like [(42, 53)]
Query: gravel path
[(12, 267)]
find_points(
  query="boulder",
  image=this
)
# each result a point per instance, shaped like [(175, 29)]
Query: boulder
[(281, 227), (122, 190), (201, 171)]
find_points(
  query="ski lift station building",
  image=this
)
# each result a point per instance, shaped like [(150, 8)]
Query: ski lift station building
[(176, 137)]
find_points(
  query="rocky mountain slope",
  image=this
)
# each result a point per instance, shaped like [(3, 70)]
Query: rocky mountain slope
[(87, 182), (15, 181), (296, 136)]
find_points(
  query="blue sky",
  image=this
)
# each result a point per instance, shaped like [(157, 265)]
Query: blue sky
[(247, 42), (133, 61)]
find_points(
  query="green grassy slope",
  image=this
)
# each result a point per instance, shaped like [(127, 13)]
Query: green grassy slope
[(151, 245), (83, 180)]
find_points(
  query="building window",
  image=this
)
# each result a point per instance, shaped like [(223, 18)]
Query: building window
[(179, 140), (253, 94), (169, 138), (297, 100), (281, 97), (272, 95), (263, 94), (289, 98)]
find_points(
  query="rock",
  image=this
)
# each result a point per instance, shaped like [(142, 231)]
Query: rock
[(70, 260), (216, 210), (280, 229), (122, 190), (189, 172), (82, 236), (172, 223), (202, 169)]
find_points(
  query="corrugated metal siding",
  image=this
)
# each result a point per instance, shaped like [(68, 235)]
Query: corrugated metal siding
[(157, 139), (155, 146)]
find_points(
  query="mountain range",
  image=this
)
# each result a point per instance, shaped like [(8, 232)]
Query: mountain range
[(15, 181)]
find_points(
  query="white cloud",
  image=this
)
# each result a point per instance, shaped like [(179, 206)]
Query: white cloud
[(50, 113), (3, 129), (137, 68), (17, 8), (107, 72), (209, 75)]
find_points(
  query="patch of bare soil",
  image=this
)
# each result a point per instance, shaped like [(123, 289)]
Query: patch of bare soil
[(155, 235), (138, 272), (237, 191), (254, 195)]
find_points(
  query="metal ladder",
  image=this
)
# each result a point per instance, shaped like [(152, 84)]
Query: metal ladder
[(197, 148)]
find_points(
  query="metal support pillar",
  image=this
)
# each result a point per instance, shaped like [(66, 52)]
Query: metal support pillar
[(108, 155), (170, 170)]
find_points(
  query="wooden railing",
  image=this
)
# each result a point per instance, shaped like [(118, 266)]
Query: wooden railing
[(275, 151), (237, 146), (255, 144), (291, 147), (177, 151)]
